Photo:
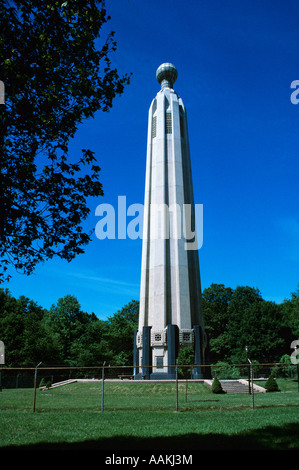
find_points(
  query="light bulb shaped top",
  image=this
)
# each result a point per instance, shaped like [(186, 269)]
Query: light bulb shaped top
[(166, 75)]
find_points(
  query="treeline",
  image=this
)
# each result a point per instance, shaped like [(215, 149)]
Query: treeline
[(66, 335), (236, 318)]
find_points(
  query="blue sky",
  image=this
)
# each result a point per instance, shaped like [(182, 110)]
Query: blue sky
[(235, 61)]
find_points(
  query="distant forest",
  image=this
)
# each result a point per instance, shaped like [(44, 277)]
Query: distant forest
[(66, 335)]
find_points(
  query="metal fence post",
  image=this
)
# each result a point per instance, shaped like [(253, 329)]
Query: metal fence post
[(177, 386), (35, 377), (186, 389), (251, 373), (252, 391), (103, 380), (249, 389)]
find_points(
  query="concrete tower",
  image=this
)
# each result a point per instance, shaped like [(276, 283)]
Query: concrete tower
[(170, 315)]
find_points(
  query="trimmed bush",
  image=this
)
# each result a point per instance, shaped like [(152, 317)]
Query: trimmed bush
[(271, 385), (42, 383), (216, 386)]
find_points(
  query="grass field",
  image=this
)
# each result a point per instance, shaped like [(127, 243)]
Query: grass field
[(143, 416)]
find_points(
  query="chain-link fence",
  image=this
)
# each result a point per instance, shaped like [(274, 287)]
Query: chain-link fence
[(110, 388)]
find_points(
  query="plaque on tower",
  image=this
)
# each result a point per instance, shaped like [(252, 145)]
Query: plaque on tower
[(170, 314)]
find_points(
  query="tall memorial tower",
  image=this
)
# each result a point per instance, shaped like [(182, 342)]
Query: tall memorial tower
[(170, 315)]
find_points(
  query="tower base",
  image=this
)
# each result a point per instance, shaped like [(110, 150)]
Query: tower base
[(158, 362)]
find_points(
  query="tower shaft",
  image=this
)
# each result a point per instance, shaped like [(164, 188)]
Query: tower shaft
[(170, 292)]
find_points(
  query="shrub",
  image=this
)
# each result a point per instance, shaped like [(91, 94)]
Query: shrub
[(185, 357), (285, 368), (42, 383), (216, 386), (226, 371), (271, 385)]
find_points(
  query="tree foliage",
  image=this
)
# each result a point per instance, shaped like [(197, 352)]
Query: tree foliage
[(57, 73), (291, 312), (66, 335), (68, 323), (239, 317), (26, 337), (215, 301), (121, 328)]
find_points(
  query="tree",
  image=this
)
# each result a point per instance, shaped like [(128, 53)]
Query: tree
[(262, 329), (65, 334), (215, 302), (54, 77), (235, 318), (27, 339), (92, 347), (291, 312), (243, 297), (68, 322), (121, 328)]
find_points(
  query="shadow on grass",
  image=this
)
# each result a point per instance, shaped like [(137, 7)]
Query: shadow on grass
[(280, 438)]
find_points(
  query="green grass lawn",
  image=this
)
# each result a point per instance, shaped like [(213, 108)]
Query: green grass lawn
[(143, 416)]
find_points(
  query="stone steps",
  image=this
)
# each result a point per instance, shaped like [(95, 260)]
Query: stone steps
[(58, 384), (236, 386), (70, 381)]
